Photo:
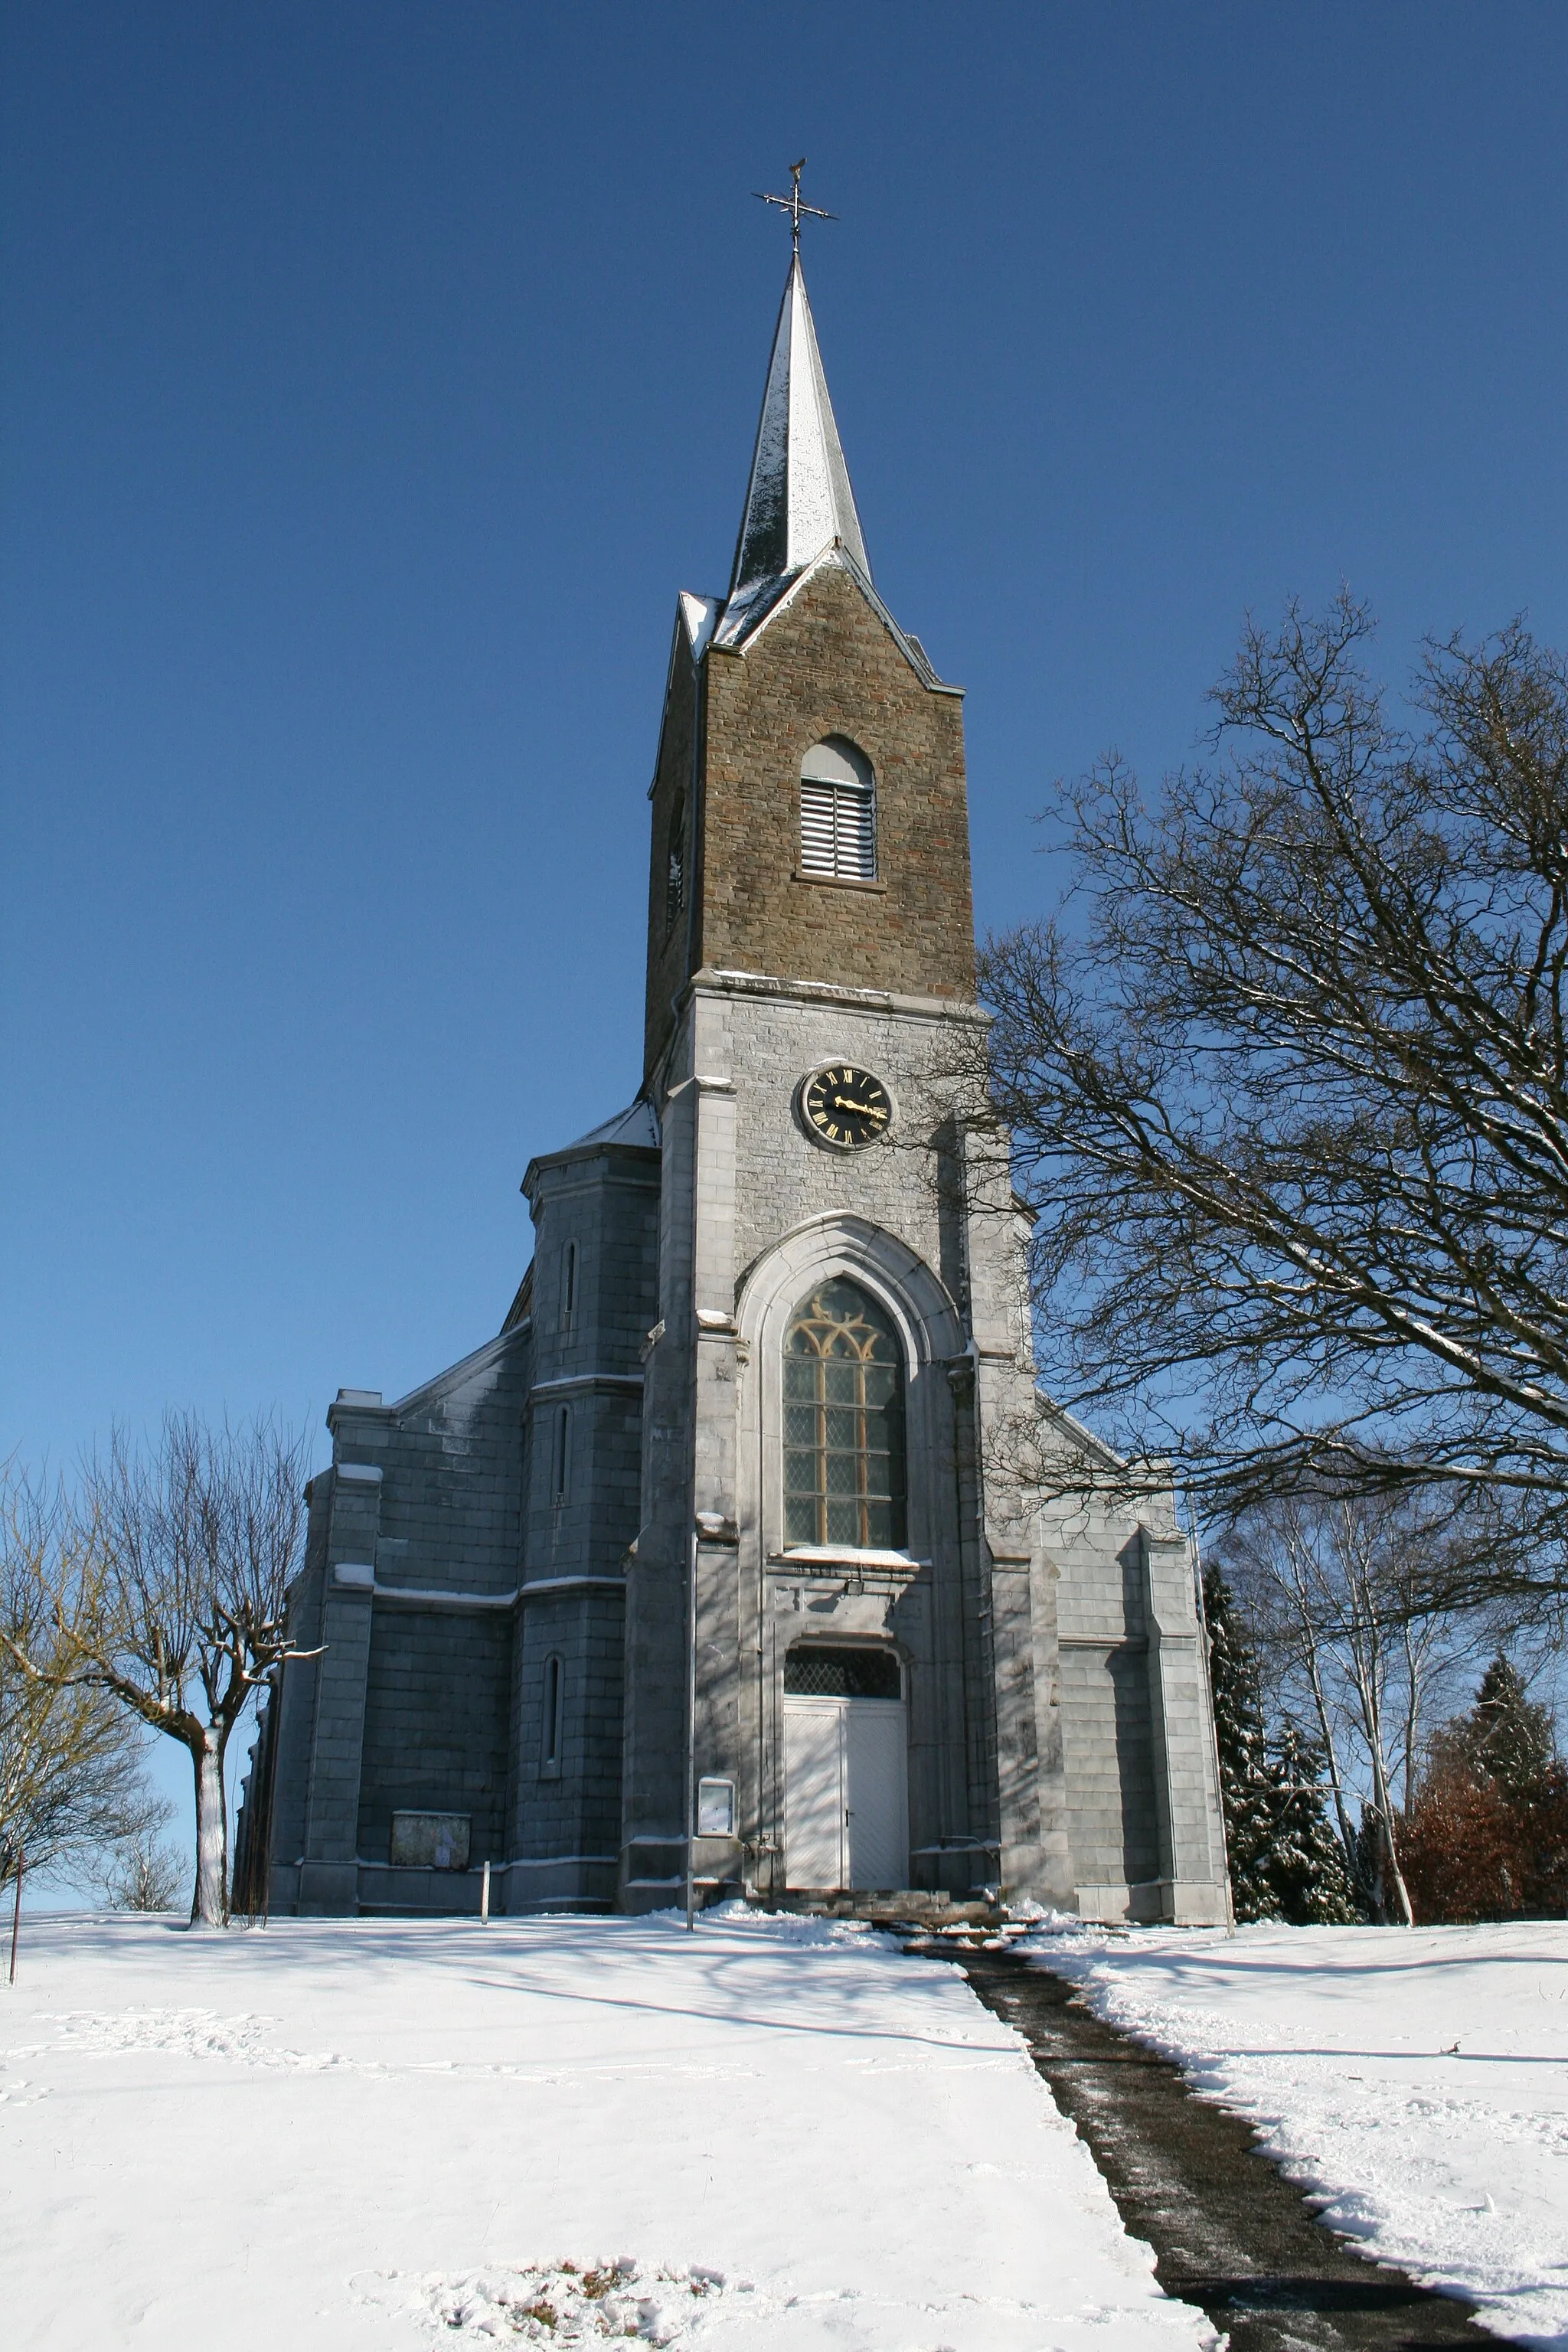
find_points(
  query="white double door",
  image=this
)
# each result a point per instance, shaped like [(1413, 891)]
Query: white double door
[(846, 1809)]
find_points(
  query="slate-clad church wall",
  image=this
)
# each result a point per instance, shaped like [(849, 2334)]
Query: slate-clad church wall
[(675, 796), (1106, 1722), (568, 1804), (435, 1724), (297, 1700), (452, 1474), (407, 1706), (595, 1211), (1142, 1796), (596, 1218)]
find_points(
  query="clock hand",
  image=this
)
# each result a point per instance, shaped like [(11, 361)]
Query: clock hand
[(866, 1111)]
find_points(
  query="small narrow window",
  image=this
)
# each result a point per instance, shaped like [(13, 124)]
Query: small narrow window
[(675, 867), (568, 1285), (837, 813), (561, 1454), (555, 1714)]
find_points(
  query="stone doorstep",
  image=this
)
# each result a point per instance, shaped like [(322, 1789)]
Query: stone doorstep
[(913, 1907)]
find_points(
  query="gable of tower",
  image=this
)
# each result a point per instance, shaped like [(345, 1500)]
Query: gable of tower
[(673, 850), (826, 664), (727, 812)]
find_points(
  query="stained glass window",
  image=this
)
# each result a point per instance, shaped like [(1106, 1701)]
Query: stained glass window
[(844, 1422)]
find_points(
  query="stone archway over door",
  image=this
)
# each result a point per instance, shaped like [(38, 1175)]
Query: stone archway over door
[(847, 1813)]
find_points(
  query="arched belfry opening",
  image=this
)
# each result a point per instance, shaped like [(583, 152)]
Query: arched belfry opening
[(837, 813)]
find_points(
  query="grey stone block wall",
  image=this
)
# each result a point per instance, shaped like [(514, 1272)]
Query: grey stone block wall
[(570, 1807), (407, 1705), (600, 1203), (754, 1214), (443, 1568), (436, 1725), (1144, 1798)]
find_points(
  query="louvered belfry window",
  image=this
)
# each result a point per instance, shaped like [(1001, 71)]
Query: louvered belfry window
[(844, 1422), (837, 813)]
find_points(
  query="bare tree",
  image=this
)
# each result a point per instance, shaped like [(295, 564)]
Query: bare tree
[(1338, 1589), (174, 1599), (142, 1874), (71, 1777), (1287, 1088)]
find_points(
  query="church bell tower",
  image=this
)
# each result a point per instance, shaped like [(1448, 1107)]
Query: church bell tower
[(841, 1316)]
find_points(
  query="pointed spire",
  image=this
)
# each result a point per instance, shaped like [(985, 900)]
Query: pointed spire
[(799, 499)]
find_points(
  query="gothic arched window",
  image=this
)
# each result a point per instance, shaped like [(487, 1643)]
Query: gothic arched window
[(837, 813), (844, 1422)]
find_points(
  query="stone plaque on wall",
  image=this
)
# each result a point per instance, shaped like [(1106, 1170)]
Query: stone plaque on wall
[(431, 1841)]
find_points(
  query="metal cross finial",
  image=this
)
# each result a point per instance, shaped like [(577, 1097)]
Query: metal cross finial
[(794, 205)]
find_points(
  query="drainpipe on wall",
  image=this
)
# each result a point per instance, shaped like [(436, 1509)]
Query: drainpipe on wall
[(690, 1731)]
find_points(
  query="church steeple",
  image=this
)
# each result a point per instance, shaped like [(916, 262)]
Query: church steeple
[(797, 693), (798, 501)]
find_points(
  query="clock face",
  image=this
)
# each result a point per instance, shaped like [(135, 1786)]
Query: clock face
[(845, 1106)]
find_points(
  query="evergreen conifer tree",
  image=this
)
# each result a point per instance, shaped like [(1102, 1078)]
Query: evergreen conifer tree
[(1510, 1737), (1285, 1859)]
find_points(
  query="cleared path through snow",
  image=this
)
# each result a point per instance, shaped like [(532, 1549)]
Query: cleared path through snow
[(388, 2134), (1228, 2231), (1413, 2081)]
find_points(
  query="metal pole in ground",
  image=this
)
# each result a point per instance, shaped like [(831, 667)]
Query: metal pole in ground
[(484, 1897), (690, 1731), (15, 1916)]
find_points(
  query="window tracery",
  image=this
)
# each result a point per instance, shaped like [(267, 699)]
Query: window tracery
[(844, 1422)]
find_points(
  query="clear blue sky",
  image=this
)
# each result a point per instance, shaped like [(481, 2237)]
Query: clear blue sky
[(376, 375)]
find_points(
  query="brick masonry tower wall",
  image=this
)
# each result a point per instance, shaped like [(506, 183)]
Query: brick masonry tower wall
[(825, 664)]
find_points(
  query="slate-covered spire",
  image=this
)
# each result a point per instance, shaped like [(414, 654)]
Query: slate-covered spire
[(799, 499)]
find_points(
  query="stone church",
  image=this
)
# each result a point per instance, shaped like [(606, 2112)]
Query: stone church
[(709, 1559)]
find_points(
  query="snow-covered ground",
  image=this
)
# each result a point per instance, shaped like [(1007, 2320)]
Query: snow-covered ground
[(772, 2133), (1418, 2082)]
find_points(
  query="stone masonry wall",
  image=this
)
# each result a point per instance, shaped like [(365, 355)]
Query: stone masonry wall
[(823, 665), (674, 797), (435, 1729)]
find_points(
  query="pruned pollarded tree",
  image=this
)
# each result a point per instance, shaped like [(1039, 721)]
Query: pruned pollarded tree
[(1288, 1093), (174, 1600), (71, 1779)]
